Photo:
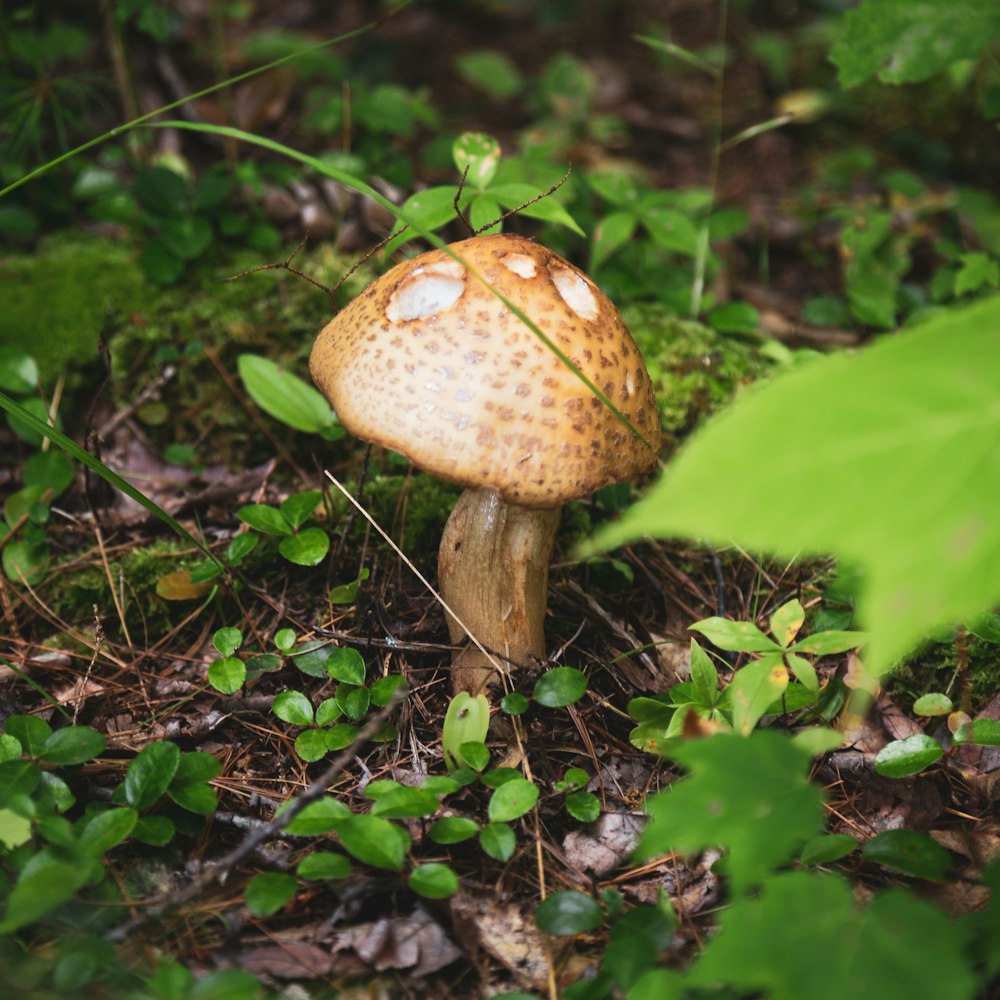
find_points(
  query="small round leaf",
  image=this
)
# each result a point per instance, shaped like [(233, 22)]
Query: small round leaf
[(560, 686), (433, 881), (568, 912)]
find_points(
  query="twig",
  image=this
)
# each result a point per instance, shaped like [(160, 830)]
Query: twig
[(458, 194), (220, 869), (286, 265), (531, 201)]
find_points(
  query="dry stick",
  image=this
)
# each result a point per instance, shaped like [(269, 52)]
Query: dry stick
[(227, 862)]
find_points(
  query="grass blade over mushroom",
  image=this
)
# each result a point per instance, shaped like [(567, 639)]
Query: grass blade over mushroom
[(355, 183)]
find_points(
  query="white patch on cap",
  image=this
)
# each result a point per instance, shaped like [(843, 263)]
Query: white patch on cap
[(521, 264), (575, 292), (424, 295)]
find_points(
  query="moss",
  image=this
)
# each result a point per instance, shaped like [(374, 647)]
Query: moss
[(695, 369), (56, 302)]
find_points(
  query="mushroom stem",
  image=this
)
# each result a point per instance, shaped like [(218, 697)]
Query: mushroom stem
[(493, 569)]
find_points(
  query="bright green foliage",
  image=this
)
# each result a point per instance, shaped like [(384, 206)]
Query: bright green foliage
[(288, 398), (304, 546), (374, 841), (467, 720), (850, 439), (902, 42), (498, 841), (827, 848), (902, 758), (802, 936), (512, 799), (322, 865), (749, 795), (560, 686)]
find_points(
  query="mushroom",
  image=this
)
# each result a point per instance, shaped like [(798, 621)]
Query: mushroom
[(429, 362)]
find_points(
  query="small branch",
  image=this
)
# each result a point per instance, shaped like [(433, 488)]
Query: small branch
[(458, 211), (221, 868), (506, 215), (286, 265)]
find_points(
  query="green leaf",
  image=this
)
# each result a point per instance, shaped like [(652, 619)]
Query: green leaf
[(353, 700), (265, 519), (637, 939), (467, 720), (981, 732), (740, 637), (108, 829), (227, 640), (307, 548), (899, 946), (18, 370), (786, 622), (583, 806), (754, 688), (491, 71), (374, 841), (858, 432), (828, 643), (901, 758), (49, 470), (347, 593), (827, 848), (909, 852), (933, 704), (293, 707), (514, 195), (452, 829), (404, 803), (514, 703), (480, 154), (41, 888), (610, 235), (512, 799), (475, 754), (30, 731), (734, 317), (704, 678), (340, 736), (299, 507), (498, 841), (749, 795), (285, 396), (433, 881), (346, 664), (671, 230), (568, 912), (903, 44), (269, 892), (284, 639), (186, 238), (560, 686), (227, 674), (322, 865), (385, 687), (72, 745), (157, 831), (978, 270), (311, 744), (318, 818), (150, 773)]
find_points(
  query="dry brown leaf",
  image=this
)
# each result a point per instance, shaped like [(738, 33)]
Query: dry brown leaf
[(606, 845), (416, 943)]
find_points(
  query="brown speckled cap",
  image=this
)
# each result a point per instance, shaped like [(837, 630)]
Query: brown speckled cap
[(428, 362)]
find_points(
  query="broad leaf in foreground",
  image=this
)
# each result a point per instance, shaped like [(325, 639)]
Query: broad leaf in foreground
[(885, 458), (747, 794), (899, 946)]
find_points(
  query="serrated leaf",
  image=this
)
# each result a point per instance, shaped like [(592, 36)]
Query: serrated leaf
[(901, 758), (285, 396), (858, 433), (293, 707), (749, 795)]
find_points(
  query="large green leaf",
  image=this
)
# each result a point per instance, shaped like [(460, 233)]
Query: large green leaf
[(284, 395), (749, 795), (899, 946), (904, 41), (886, 458)]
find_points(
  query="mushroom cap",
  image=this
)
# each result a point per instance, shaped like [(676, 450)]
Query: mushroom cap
[(429, 362)]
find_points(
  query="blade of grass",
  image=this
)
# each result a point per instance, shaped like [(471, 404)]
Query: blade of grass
[(97, 466), (349, 180)]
